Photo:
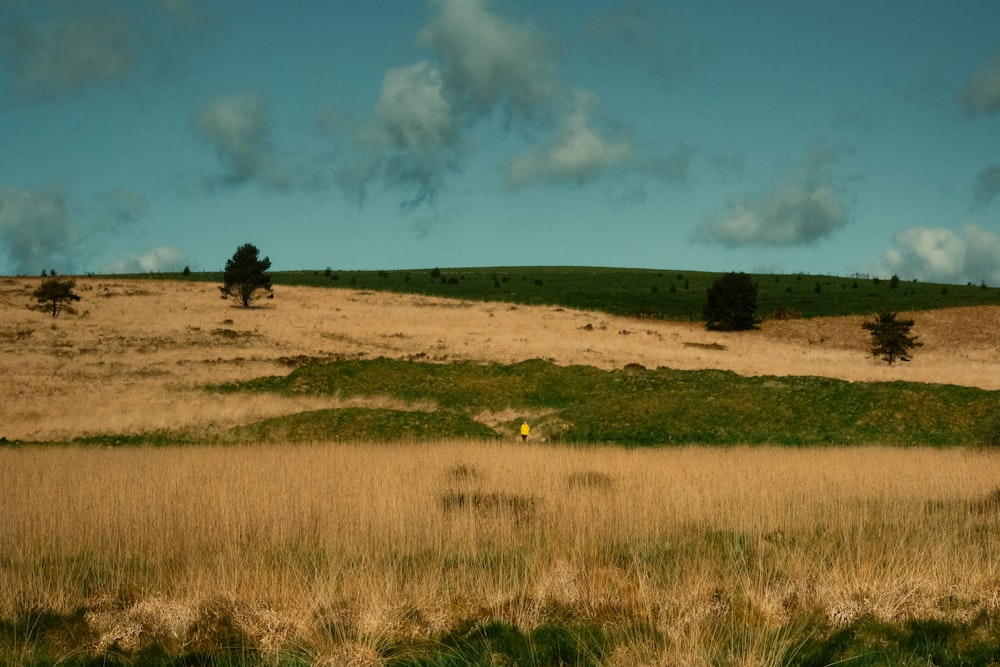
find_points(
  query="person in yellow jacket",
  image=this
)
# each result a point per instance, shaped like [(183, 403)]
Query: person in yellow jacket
[(525, 431)]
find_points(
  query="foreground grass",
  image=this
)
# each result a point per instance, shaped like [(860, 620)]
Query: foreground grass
[(581, 404), (674, 295), (459, 552)]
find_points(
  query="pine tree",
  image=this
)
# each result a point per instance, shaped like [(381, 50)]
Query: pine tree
[(891, 337), (246, 274)]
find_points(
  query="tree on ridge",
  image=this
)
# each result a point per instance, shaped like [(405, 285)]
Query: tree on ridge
[(245, 275)]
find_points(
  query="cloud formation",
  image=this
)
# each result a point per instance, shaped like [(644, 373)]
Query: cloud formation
[(630, 29), (36, 229), (578, 153), (982, 91), (238, 129), (488, 61), (63, 48), (413, 137), (804, 208), (987, 185), (945, 256), (119, 209), (484, 66), (64, 56), (155, 260), (42, 229)]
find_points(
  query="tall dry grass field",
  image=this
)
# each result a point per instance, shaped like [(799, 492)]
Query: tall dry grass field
[(686, 556)]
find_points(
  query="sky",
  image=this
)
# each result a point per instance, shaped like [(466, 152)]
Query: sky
[(825, 137)]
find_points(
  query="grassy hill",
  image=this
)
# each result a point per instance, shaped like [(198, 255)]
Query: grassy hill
[(633, 406), (663, 294), (585, 405)]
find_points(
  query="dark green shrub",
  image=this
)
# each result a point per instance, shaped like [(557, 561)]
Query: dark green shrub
[(732, 303)]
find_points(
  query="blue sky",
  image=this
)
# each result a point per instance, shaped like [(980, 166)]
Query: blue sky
[(829, 136)]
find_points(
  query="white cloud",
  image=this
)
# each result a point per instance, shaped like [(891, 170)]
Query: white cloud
[(482, 62), (413, 137), (412, 112), (804, 208), (35, 228), (578, 154), (488, 60), (487, 67), (156, 260), (982, 91), (945, 256), (238, 128)]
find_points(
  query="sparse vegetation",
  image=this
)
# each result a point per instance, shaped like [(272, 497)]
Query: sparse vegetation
[(55, 295)]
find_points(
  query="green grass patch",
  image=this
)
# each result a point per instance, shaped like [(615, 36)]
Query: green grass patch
[(869, 641), (352, 424), (582, 404), (493, 643)]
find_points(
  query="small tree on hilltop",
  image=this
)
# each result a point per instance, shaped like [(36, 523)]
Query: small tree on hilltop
[(732, 303), (245, 275), (891, 337), (55, 294)]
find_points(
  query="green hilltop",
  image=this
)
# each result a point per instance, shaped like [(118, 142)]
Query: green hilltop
[(661, 294)]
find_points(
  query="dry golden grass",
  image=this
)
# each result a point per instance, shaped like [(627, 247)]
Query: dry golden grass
[(135, 355), (342, 547)]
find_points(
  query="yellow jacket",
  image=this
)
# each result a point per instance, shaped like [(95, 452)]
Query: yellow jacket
[(525, 429)]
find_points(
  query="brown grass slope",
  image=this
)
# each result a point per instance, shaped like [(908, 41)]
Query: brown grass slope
[(135, 353)]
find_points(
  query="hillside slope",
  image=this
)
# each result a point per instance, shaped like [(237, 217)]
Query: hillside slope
[(135, 354)]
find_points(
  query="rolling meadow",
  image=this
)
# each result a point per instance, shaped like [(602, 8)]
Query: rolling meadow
[(176, 492)]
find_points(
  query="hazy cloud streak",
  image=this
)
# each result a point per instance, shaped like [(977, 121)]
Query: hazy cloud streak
[(119, 209), (630, 28), (987, 185), (36, 228), (59, 58), (238, 129), (982, 91), (803, 209), (63, 48)]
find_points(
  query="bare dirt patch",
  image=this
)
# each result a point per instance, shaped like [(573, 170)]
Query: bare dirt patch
[(136, 358)]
